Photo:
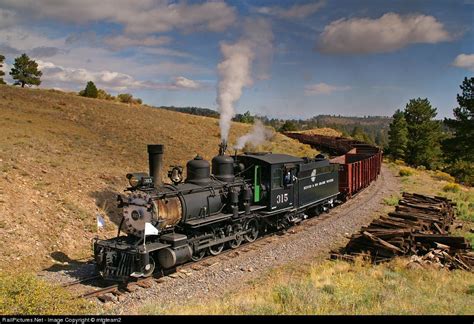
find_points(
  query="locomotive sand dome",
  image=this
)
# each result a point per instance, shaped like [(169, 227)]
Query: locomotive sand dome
[(244, 196)]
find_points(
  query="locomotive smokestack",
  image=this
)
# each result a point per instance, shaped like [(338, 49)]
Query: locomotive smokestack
[(155, 162)]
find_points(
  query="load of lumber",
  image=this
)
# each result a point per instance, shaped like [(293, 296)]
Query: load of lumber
[(420, 227)]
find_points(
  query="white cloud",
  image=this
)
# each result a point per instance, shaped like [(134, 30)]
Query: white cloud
[(27, 39), (122, 41), (146, 16), (323, 89), (385, 34), (110, 80), (61, 76), (294, 12), (182, 82), (97, 59), (17, 40), (465, 61)]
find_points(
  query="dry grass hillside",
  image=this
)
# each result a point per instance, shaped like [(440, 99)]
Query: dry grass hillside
[(63, 159), (325, 131)]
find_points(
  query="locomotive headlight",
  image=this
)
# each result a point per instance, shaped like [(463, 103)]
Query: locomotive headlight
[(138, 179), (133, 181)]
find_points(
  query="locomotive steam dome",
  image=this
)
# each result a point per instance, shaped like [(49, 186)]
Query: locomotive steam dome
[(198, 171), (223, 168)]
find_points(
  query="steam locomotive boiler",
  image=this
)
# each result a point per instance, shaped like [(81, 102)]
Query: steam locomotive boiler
[(168, 224)]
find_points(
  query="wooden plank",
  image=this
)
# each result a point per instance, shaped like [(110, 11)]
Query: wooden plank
[(383, 243)]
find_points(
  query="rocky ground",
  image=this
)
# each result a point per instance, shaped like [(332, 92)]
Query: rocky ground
[(303, 243)]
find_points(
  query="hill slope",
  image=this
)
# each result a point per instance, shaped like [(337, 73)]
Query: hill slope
[(63, 159)]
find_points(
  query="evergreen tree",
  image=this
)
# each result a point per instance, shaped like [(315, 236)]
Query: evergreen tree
[(398, 135), (288, 126), (90, 91), (424, 134), (247, 118), (359, 135), (459, 149), (2, 58), (461, 145), (25, 71)]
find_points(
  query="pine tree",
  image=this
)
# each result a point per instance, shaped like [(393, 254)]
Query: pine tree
[(25, 71), (359, 135), (424, 134), (459, 149), (461, 145), (2, 58), (288, 126), (398, 135), (90, 91)]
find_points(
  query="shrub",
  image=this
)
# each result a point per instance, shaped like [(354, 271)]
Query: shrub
[(102, 94), (25, 294), (440, 175), (392, 200), (125, 97), (400, 162), (405, 172), (452, 187), (463, 171), (421, 168)]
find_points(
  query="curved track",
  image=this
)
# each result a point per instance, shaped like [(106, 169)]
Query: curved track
[(217, 276)]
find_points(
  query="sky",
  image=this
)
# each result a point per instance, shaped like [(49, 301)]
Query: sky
[(284, 59)]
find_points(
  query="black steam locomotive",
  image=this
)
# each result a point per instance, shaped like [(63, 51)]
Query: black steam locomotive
[(244, 196)]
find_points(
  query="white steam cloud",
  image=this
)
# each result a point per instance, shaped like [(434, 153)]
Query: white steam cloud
[(235, 68), (258, 135)]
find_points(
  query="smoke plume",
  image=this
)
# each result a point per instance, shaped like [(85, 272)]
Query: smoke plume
[(258, 135), (236, 66)]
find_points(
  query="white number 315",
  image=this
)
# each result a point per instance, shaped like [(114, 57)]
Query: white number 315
[(282, 198)]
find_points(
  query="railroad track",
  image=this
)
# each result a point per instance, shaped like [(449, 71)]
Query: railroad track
[(118, 289)]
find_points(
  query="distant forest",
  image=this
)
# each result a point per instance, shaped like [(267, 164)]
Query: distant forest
[(371, 129)]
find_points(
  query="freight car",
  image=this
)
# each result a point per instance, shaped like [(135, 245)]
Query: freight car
[(359, 163), (167, 224)]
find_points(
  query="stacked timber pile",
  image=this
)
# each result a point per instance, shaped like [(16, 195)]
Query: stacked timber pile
[(419, 227)]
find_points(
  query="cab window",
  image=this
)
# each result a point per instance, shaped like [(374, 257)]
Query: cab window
[(277, 178)]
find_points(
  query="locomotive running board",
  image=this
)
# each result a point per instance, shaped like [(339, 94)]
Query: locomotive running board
[(217, 218)]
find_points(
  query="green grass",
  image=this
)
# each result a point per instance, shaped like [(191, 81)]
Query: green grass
[(392, 200), (405, 171), (342, 288), (25, 294), (451, 187)]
